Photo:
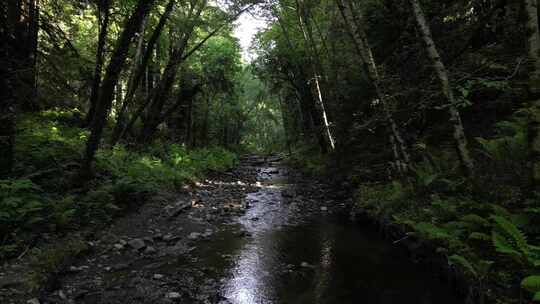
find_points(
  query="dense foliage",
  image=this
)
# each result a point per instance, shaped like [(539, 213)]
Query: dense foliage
[(429, 109), (127, 100)]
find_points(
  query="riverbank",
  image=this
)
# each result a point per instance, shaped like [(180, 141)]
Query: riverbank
[(260, 233)]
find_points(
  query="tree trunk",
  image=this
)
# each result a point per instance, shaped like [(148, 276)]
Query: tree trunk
[(18, 52), (533, 44), (103, 12), (124, 102), (163, 89), (306, 119), (7, 97), (359, 39), (442, 74), (110, 80), (138, 72), (316, 85)]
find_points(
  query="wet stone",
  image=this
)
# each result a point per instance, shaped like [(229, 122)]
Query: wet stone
[(137, 244), (194, 236), (173, 296), (150, 250)]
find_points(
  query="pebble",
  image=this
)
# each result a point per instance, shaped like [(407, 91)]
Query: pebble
[(137, 244), (324, 208), (62, 295), (150, 250), (173, 295), (158, 276), (194, 235), (118, 246)]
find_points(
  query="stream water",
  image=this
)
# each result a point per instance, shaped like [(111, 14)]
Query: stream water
[(293, 256)]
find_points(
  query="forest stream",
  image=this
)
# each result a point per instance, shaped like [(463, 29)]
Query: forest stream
[(289, 241)]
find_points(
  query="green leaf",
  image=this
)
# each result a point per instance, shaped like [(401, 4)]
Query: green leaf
[(502, 245), (531, 283), (479, 236), (463, 262), (536, 297)]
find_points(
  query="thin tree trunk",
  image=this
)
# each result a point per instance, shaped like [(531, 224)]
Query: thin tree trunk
[(531, 8), (103, 19), (110, 80), (120, 127), (307, 119), (361, 44), (124, 102), (163, 89), (314, 61), (286, 124), (455, 118)]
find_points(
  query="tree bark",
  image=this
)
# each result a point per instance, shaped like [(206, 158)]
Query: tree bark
[(442, 74), (110, 80), (533, 44), (359, 39), (103, 12)]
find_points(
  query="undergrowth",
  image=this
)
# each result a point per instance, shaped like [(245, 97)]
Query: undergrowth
[(42, 198), (487, 226)]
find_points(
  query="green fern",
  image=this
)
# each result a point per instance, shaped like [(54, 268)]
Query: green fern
[(463, 262), (508, 239), (432, 232)]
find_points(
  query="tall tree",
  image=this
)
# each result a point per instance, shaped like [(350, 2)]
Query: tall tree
[(163, 89), (139, 70), (442, 74), (7, 98), (533, 47), (316, 68), (103, 13), (353, 24), (110, 81), (18, 53)]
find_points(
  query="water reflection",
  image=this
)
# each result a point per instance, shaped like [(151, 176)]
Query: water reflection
[(259, 259), (297, 258)]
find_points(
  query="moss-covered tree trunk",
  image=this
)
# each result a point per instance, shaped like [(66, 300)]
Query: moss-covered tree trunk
[(533, 46), (110, 81), (442, 74)]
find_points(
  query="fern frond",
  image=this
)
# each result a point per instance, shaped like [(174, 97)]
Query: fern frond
[(463, 262), (511, 232)]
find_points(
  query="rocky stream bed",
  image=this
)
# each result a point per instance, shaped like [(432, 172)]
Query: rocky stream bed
[(260, 233)]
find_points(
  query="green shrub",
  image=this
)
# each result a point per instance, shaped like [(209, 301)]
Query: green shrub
[(21, 205)]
